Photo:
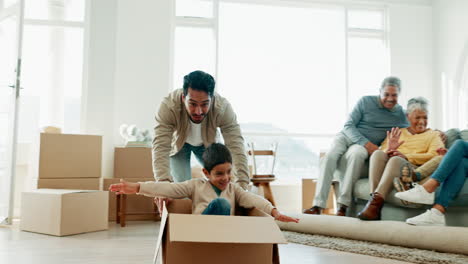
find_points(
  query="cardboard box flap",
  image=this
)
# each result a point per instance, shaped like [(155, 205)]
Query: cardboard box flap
[(224, 229), (162, 225), (61, 191)]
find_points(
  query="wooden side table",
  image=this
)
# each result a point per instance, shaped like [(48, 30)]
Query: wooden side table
[(264, 184), (263, 180), (121, 210)]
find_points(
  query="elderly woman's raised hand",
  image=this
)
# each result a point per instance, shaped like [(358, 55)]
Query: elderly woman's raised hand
[(393, 138)]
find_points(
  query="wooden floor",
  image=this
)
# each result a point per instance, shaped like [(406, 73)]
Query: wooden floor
[(133, 244)]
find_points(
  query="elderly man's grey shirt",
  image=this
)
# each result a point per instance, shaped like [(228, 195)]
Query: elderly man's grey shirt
[(370, 120)]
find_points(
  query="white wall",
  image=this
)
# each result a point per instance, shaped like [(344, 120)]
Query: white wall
[(99, 86), (128, 68), (411, 52), (451, 47), (143, 52)]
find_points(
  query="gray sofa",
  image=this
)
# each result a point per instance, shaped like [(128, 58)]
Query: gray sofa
[(457, 213)]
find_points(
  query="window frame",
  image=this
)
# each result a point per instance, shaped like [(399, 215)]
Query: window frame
[(349, 32), (85, 26)]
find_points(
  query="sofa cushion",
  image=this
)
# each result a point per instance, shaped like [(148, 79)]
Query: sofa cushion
[(452, 135), (464, 134)]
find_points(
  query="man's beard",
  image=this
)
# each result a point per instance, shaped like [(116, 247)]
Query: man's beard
[(197, 121)]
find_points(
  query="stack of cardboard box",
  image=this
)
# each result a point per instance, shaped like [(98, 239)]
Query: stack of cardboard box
[(69, 200), (132, 164), (70, 162), (61, 212)]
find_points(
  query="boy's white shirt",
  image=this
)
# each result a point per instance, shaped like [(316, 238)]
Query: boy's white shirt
[(201, 192)]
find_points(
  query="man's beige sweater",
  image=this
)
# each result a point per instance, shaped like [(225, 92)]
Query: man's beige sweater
[(173, 125), (201, 192)]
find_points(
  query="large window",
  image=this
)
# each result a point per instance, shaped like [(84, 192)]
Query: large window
[(291, 71), (52, 66)]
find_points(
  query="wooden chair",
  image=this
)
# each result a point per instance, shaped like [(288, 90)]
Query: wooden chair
[(121, 210), (263, 180)]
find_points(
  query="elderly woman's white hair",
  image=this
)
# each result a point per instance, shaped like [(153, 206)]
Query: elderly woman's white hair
[(417, 103)]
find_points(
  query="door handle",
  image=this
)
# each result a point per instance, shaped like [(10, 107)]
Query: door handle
[(13, 87)]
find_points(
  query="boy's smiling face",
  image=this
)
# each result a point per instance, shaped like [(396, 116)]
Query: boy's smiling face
[(220, 175)]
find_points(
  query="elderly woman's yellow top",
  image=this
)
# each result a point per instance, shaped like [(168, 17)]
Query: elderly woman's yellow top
[(418, 148)]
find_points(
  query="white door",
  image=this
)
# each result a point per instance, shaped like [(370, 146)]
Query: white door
[(11, 26)]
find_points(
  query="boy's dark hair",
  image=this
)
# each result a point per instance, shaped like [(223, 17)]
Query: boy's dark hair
[(216, 154), (200, 81)]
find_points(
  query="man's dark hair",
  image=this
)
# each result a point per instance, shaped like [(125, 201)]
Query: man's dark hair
[(214, 155), (200, 81)]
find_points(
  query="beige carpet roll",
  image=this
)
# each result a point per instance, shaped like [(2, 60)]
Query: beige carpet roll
[(443, 239)]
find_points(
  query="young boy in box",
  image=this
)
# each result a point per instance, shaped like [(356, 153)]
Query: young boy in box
[(213, 196)]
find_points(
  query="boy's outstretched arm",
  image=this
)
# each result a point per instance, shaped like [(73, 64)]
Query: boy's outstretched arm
[(248, 200), (283, 218), (125, 187)]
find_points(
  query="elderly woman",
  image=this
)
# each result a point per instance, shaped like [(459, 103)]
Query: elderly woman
[(417, 146)]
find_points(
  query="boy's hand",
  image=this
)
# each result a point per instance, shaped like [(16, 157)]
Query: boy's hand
[(125, 187), (283, 218)]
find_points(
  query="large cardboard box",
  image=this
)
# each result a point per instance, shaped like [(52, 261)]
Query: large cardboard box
[(70, 156), (64, 212), (133, 163), (70, 184), (308, 194), (252, 238), (135, 203)]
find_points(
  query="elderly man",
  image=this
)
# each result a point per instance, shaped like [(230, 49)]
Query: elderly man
[(187, 121), (364, 131)]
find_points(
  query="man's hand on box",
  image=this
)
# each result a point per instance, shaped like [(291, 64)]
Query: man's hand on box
[(159, 201)]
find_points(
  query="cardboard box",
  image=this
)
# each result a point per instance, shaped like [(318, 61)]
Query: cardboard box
[(64, 212), (308, 195), (135, 203), (217, 239), (133, 163), (70, 184), (70, 156)]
